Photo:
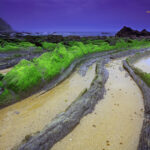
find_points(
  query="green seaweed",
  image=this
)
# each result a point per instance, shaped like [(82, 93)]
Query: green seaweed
[(6, 97), (9, 46), (29, 74), (1, 76), (49, 46)]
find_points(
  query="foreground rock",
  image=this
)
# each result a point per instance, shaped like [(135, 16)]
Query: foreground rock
[(9, 59)]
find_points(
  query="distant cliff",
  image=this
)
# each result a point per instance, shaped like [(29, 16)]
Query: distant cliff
[(128, 32), (5, 27)]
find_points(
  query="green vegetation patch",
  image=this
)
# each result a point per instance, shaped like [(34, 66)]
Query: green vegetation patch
[(1, 76), (6, 97), (27, 75), (8, 46), (49, 46), (23, 76)]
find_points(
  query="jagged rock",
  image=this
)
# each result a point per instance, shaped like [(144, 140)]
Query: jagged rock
[(128, 32), (145, 33), (5, 27)]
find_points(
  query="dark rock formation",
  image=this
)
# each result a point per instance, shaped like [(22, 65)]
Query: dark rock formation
[(128, 32), (73, 38), (4, 27), (145, 33)]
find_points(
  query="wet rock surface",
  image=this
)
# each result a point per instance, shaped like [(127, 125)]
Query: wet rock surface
[(10, 59), (145, 135)]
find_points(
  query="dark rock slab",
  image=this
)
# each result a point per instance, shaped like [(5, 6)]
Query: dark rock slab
[(144, 143)]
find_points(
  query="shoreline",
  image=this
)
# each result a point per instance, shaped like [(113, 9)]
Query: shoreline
[(35, 139)]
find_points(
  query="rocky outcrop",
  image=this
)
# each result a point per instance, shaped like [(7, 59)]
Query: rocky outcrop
[(129, 32), (5, 27), (145, 33)]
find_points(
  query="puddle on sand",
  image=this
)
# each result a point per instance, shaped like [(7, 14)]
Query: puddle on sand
[(4, 71), (143, 64), (116, 121), (33, 113)]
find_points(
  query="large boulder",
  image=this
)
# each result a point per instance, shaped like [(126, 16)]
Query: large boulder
[(5, 27), (128, 32)]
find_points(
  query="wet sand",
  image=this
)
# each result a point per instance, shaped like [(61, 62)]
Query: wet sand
[(32, 114), (143, 64), (116, 121)]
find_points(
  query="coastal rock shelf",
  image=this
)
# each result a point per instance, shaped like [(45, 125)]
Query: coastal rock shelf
[(116, 122), (74, 90), (73, 112), (32, 114), (66, 121)]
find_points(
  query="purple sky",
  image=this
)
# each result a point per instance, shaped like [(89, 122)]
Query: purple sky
[(75, 15)]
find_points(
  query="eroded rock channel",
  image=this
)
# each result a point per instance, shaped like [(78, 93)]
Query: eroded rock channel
[(116, 122), (79, 113), (32, 114)]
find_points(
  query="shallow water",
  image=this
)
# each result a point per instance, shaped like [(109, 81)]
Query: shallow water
[(116, 121), (4, 71), (32, 114), (143, 64)]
